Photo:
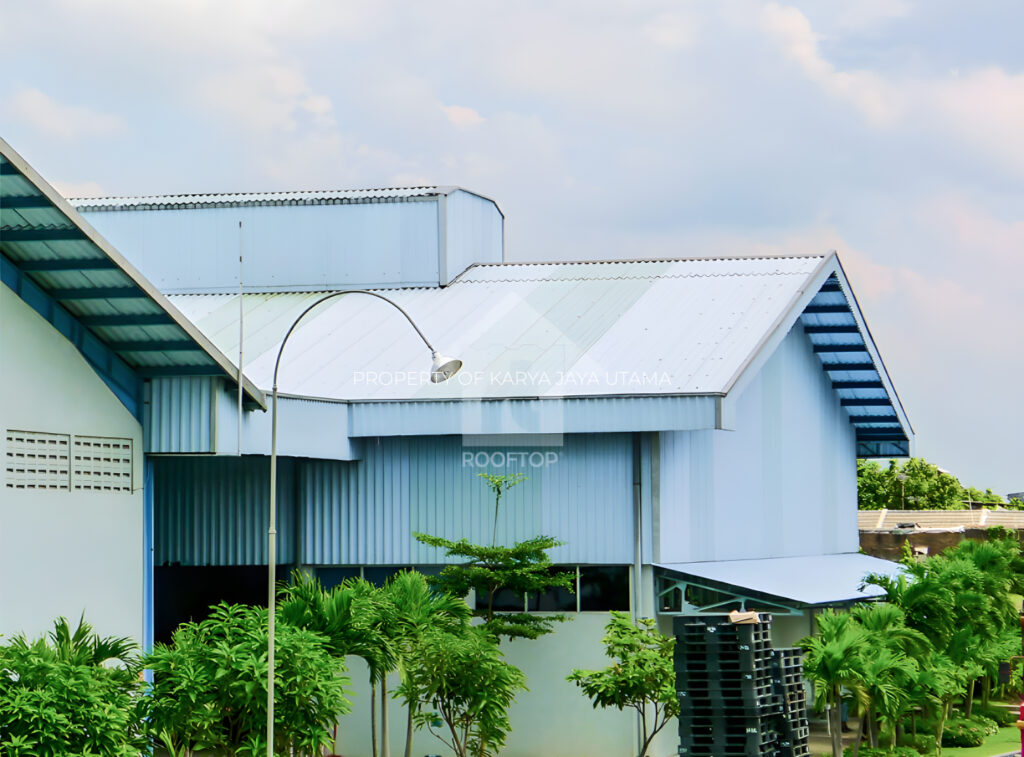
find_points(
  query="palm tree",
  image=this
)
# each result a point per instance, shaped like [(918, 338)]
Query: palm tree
[(417, 609), (833, 659)]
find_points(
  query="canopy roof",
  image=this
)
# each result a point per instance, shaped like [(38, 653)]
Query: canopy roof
[(59, 264), (806, 581)]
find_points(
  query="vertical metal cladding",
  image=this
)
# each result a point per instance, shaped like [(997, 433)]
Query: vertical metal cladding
[(179, 415), (364, 512), (214, 510)]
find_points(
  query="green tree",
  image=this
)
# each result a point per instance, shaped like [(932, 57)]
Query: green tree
[(833, 659), (524, 568), (642, 676), (72, 692), (459, 687), (209, 686)]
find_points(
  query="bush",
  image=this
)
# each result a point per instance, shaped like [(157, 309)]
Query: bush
[(986, 723), (210, 686), (57, 697), (922, 743), (1003, 716), (865, 751), (963, 732)]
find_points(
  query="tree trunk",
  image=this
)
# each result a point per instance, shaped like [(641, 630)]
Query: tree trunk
[(385, 735), (869, 716), (969, 700), (408, 734), (373, 718), (835, 723), (986, 690)]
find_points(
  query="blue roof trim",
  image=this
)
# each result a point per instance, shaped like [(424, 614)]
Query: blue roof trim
[(114, 372)]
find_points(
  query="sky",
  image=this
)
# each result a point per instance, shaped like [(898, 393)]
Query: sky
[(891, 131)]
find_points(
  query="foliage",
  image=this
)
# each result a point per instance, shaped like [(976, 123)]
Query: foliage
[(60, 695), (922, 743), (524, 568), (209, 686), (913, 485), (900, 751), (461, 680), (1002, 716), (642, 676), (963, 732)]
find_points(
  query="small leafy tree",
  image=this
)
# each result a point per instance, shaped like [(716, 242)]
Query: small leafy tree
[(72, 692), (459, 687), (642, 676), (524, 568), (209, 686)]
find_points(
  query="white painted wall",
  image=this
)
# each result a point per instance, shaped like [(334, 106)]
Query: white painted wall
[(62, 553), (552, 718), (783, 483)]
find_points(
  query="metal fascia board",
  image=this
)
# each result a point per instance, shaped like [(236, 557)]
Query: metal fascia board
[(94, 236), (774, 336)]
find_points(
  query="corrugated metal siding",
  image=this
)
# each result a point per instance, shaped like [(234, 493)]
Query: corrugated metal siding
[(304, 197), (179, 415), (474, 232), (214, 510), (339, 246), (782, 484), (365, 512)]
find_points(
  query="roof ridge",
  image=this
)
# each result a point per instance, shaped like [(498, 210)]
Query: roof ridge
[(165, 195), (692, 259)]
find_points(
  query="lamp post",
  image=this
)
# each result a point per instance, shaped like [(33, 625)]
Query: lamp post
[(442, 369)]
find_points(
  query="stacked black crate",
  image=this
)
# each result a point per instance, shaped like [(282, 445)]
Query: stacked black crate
[(788, 673), (730, 705)]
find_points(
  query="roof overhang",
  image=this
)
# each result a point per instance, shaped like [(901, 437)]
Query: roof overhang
[(63, 267), (779, 582)]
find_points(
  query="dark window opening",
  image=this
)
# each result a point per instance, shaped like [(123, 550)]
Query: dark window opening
[(505, 600), (332, 576), (556, 599), (604, 588), (379, 576), (183, 593)]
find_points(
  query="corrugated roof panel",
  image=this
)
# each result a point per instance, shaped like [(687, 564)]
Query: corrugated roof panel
[(577, 329), (311, 197)]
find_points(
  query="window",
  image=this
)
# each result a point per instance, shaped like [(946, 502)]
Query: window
[(604, 587), (37, 460)]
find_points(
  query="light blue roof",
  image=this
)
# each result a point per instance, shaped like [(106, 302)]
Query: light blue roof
[(811, 580)]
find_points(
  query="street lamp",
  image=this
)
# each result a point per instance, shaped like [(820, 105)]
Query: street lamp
[(442, 368)]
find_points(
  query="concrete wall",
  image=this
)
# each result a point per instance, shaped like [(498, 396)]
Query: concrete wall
[(782, 484), (64, 552), (553, 718)]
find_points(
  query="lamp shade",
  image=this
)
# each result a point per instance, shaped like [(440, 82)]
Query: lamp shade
[(444, 367)]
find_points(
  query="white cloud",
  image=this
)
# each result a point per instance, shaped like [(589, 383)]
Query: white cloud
[(462, 116), (68, 122)]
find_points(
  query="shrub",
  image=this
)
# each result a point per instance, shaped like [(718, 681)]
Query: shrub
[(58, 697), (1003, 716), (900, 751), (963, 732), (922, 743), (986, 723), (210, 686)]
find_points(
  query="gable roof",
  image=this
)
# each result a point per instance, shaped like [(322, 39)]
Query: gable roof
[(60, 264), (663, 328)]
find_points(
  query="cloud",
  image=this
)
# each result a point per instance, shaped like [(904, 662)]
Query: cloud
[(79, 188), (462, 116), (66, 122)]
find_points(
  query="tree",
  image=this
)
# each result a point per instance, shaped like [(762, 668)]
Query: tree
[(459, 683), (915, 484), (524, 568), (209, 686), (642, 676), (72, 692), (833, 660)]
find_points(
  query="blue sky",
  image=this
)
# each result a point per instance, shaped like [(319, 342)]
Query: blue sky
[(889, 130)]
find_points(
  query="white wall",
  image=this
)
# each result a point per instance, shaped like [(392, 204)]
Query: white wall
[(62, 553), (783, 483), (552, 718)]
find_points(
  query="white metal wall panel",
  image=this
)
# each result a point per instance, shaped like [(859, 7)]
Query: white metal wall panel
[(473, 233), (782, 484), (364, 512), (298, 247), (179, 414)]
